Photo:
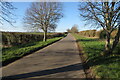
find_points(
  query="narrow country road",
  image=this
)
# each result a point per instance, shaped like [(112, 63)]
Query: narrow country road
[(59, 60)]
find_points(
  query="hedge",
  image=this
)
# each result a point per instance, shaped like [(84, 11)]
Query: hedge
[(17, 38), (88, 33), (93, 33)]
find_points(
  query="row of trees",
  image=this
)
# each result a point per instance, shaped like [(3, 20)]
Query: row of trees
[(45, 15)]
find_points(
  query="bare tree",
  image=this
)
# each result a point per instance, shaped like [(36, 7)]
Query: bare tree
[(68, 30), (74, 29), (43, 16), (6, 12), (105, 15)]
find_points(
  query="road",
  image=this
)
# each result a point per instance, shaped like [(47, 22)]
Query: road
[(59, 60)]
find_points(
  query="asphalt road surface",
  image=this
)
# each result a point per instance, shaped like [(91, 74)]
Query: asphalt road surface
[(59, 60)]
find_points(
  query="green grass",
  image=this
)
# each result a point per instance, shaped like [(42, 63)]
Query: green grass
[(102, 66), (13, 53), (39, 33)]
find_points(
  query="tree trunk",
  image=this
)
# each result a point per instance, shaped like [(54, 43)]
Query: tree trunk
[(45, 36), (108, 45), (116, 40), (108, 34)]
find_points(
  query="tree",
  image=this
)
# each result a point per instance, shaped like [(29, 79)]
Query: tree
[(68, 30), (74, 29), (6, 12), (43, 16), (105, 15)]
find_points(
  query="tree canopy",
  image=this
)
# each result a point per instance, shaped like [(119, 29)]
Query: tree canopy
[(43, 16), (105, 15)]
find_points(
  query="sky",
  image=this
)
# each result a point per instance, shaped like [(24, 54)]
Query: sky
[(70, 17)]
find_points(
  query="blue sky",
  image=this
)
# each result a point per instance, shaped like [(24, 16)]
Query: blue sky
[(70, 11)]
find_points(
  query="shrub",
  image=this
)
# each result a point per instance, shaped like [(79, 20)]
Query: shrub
[(102, 34)]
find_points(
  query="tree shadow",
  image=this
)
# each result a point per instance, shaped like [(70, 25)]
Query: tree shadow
[(95, 57), (106, 60), (73, 67), (87, 40)]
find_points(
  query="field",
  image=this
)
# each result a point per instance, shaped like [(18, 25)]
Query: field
[(100, 66)]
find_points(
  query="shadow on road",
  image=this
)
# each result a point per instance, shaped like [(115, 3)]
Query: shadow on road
[(74, 67)]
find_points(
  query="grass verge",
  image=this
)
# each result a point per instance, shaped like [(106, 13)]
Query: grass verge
[(100, 66), (13, 53)]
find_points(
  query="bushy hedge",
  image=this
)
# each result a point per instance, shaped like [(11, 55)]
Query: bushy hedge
[(88, 33), (93, 33), (17, 38)]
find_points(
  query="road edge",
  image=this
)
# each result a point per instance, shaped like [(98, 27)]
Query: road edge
[(89, 75), (80, 55)]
